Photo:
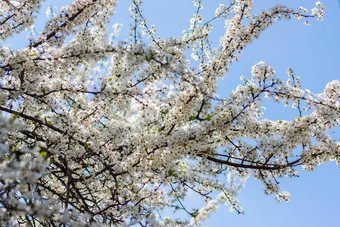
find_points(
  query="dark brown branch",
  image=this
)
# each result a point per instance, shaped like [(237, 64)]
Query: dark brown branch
[(258, 166)]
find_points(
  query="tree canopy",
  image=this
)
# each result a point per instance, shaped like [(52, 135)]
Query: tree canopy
[(101, 132)]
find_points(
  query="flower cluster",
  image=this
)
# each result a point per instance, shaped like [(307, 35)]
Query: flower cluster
[(100, 132)]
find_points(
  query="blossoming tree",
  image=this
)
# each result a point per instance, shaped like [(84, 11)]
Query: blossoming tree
[(96, 132)]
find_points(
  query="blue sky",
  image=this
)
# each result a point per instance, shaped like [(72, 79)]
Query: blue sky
[(313, 52)]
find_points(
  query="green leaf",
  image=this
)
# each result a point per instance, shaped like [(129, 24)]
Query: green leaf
[(192, 118), (165, 111), (251, 89), (43, 154), (194, 214), (171, 172), (149, 58), (86, 145), (15, 116), (208, 118)]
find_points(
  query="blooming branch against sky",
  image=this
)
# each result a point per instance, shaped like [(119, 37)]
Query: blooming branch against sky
[(157, 113)]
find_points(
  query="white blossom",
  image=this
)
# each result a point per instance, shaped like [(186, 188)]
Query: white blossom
[(101, 132)]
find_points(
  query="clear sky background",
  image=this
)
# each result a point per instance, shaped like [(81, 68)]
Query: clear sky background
[(313, 52)]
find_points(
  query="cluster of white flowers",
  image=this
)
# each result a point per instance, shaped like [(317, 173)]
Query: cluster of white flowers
[(17, 16), (111, 133), (283, 195), (21, 171)]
